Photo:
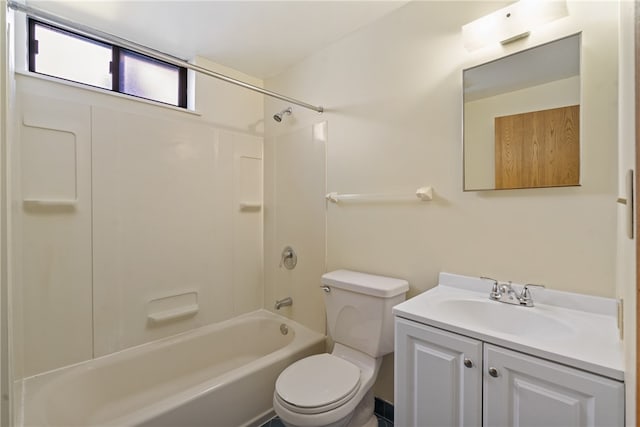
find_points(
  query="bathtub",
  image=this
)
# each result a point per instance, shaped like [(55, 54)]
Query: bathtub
[(220, 375)]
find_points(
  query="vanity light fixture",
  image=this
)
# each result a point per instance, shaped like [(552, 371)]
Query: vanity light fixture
[(512, 23)]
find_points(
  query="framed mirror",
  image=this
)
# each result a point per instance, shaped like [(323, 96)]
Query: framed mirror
[(522, 119)]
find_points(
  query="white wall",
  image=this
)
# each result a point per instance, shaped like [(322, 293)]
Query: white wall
[(295, 186), (393, 99), (165, 202), (52, 251), (225, 105), (157, 224)]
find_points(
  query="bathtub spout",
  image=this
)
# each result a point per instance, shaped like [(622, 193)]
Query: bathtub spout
[(283, 302)]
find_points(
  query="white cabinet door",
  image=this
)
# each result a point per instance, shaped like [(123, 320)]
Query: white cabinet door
[(525, 391), (433, 386)]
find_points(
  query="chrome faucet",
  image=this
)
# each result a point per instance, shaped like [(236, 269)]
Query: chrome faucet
[(283, 302), (504, 292), (525, 297), (507, 293), (495, 291)]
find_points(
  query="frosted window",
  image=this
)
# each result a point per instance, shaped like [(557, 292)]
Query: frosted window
[(72, 57), (61, 53), (147, 78)]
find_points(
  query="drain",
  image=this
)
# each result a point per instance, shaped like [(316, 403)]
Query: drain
[(284, 329)]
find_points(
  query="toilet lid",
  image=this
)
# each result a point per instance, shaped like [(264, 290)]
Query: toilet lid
[(318, 380)]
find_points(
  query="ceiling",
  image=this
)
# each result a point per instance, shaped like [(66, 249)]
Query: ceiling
[(259, 38)]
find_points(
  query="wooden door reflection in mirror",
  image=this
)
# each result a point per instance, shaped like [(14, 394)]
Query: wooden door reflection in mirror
[(538, 149)]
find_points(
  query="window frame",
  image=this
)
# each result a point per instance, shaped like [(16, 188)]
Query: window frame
[(114, 66)]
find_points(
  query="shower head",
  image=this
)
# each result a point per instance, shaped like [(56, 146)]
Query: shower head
[(278, 117)]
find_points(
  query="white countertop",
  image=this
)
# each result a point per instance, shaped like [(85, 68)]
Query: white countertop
[(573, 329)]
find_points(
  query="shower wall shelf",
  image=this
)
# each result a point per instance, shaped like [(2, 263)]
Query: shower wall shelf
[(172, 307), (176, 313), (422, 194), (50, 202)]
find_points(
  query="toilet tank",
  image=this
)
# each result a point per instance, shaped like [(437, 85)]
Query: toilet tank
[(358, 309)]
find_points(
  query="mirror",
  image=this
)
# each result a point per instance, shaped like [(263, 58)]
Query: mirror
[(522, 119)]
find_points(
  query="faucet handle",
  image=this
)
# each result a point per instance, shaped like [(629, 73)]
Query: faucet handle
[(525, 297), (288, 258), (495, 291)]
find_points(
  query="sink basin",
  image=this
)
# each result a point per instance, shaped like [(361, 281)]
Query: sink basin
[(505, 318)]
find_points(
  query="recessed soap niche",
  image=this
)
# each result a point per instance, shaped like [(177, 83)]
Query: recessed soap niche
[(49, 166)]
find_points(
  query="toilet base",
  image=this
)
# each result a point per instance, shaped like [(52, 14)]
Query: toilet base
[(362, 416), (373, 422), (363, 413)]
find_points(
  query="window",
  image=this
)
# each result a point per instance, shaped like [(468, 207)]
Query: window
[(60, 53)]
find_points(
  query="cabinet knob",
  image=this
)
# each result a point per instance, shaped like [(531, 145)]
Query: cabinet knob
[(494, 372), (468, 362)]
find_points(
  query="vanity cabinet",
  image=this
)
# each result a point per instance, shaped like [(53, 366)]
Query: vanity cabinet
[(446, 379), (438, 377)]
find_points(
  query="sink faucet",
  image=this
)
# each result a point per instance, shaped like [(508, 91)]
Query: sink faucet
[(283, 302), (504, 292)]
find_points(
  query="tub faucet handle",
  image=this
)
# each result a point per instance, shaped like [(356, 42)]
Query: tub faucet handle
[(288, 258)]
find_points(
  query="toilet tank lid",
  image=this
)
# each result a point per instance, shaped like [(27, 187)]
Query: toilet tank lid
[(363, 283)]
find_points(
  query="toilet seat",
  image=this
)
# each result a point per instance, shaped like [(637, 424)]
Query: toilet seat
[(317, 384)]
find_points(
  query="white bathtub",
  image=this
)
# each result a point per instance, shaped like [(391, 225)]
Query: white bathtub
[(220, 375)]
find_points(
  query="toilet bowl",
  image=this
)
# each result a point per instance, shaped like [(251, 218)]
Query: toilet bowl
[(334, 390), (326, 389)]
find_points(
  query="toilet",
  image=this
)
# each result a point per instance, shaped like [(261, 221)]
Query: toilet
[(334, 390)]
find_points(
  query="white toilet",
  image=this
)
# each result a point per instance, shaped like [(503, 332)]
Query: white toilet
[(334, 390)]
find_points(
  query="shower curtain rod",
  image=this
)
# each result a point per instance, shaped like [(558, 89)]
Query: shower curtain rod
[(110, 38)]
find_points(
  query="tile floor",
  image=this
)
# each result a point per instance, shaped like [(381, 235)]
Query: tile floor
[(383, 410), (275, 422)]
